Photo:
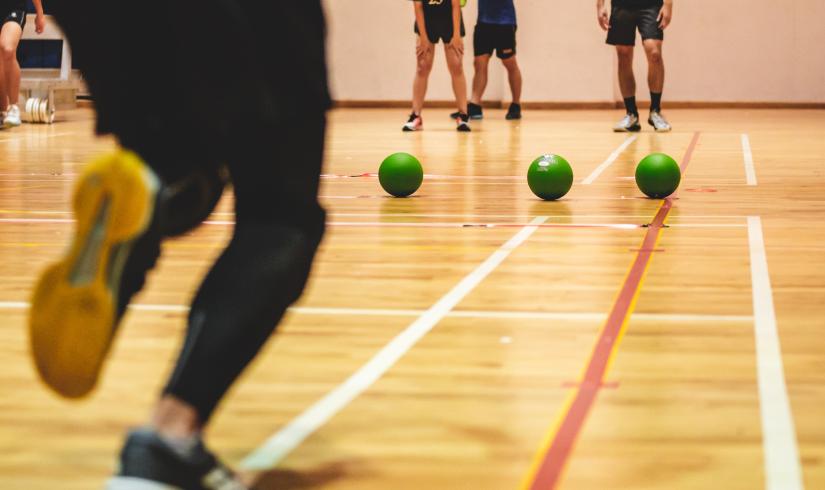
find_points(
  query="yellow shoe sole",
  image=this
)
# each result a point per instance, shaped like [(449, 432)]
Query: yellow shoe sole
[(73, 314)]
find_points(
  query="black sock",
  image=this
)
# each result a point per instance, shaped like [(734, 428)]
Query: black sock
[(655, 102), (630, 105)]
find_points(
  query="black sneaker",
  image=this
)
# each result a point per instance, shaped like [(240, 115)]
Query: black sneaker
[(514, 112), (414, 123), (147, 462), (463, 123), (474, 110)]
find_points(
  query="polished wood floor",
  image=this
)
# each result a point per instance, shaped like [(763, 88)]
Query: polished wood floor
[(482, 398)]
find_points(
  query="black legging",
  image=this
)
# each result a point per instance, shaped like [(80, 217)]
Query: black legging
[(220, 87), (265, 266)]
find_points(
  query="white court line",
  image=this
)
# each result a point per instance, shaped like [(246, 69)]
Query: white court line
[(525, 216), (610, 159), (750, 171), (413, 224), (33, 136), (294, 433), (442, 215), (521, 315), (782, 470), (706, 225), (36, 220)]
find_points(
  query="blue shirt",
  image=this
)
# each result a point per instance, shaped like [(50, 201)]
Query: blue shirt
[(501, 12)]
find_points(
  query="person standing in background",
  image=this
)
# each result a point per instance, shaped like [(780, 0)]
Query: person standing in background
[(651, 18), (438, 20), (495, 31), (13, 13)]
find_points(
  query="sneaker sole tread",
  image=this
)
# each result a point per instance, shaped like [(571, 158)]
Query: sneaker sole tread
[(72, 317)]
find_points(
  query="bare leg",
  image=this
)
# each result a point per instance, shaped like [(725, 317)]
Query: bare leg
[(175, 418), (480, 78), (514, 76), (9, 39), (627, 82), (4, 98), (459, 81), (655, 65), (424, 65)]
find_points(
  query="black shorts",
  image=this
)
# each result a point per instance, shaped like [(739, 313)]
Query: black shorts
[(440, 29), (624, 22), (16, 16), (500, 38)]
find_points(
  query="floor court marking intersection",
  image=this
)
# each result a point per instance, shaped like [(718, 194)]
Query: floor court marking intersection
[(300, 428), (551, 459)]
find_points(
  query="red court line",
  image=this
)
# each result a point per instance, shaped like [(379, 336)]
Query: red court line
[(429, 176), (554, 460)]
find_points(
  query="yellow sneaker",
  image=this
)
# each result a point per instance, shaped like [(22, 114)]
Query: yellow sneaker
[(78, 301)]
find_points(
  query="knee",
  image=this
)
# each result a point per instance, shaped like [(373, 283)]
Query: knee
[(424, 67), (456, 68), (654, 56), (625, 54), (480, 65), (276, 256), (510, 65), (7, 52), (187, 202)]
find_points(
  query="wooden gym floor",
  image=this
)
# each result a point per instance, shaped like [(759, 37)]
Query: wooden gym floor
[(605, 341)]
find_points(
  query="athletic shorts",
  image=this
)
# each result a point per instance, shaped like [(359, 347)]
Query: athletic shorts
[(624, 22), (500, 38), (440, 29), (16, 16)]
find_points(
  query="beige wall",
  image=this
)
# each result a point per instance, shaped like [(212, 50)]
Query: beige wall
[(716, 50)]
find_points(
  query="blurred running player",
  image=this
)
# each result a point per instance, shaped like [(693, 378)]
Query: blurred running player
[(165, 180)]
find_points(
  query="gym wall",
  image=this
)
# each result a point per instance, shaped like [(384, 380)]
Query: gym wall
[(747, 51)]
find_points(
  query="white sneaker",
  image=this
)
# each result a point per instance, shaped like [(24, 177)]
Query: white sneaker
[(628, 124), (659, 123), (12, 117)]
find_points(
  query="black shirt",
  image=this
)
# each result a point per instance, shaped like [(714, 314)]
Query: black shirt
[(637, 4), (9, 6), (437, 8)]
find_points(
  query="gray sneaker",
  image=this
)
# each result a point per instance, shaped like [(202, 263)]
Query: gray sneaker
[(148, 462), (628, 124), (659, 123)]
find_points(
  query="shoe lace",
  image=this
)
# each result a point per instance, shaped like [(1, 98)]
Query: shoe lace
[(221, 479), (658, 119)]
